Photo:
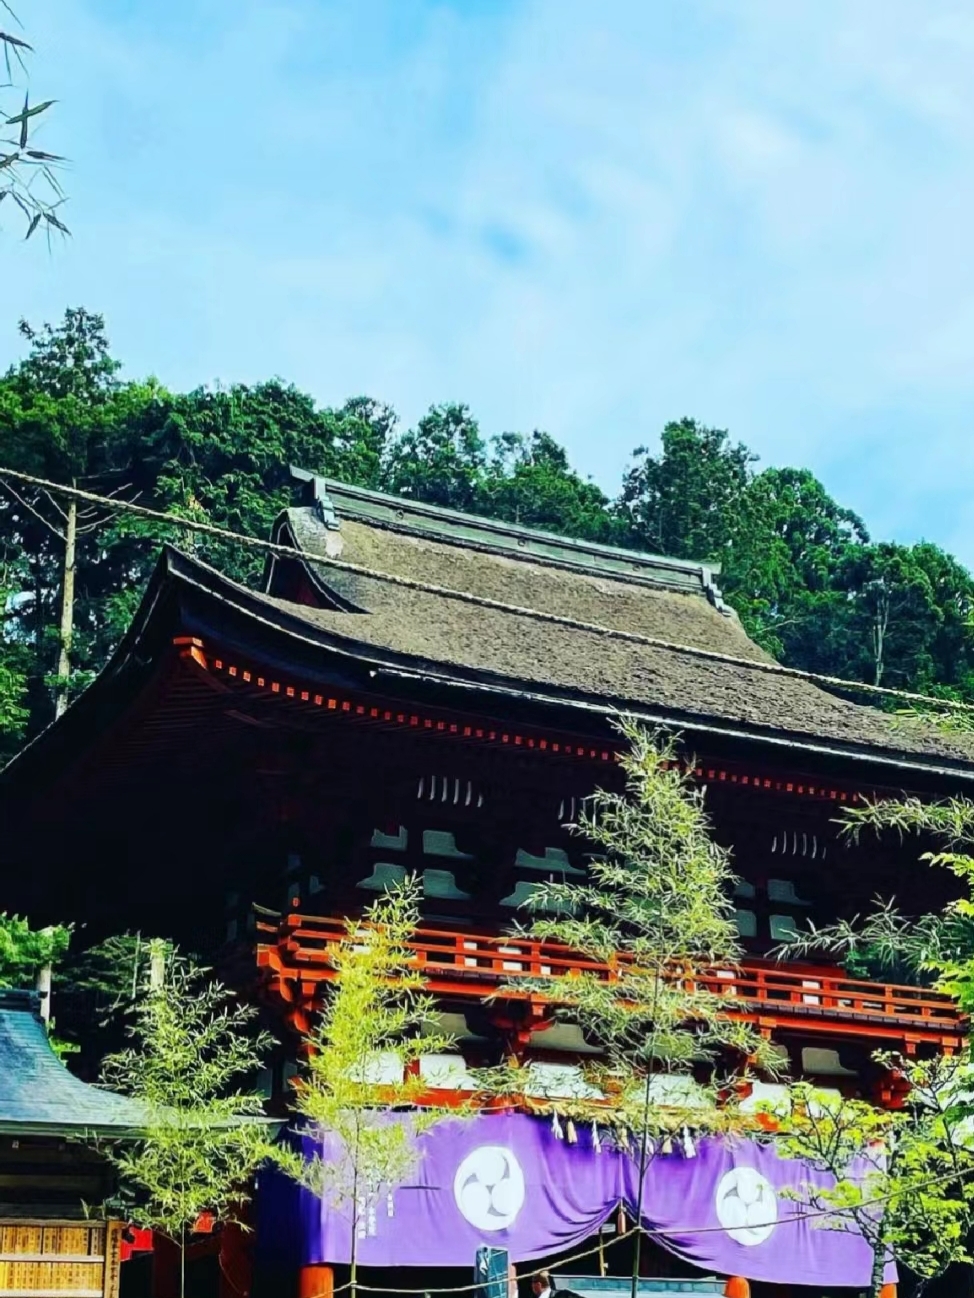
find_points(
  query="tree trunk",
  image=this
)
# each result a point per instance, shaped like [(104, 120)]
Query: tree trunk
[(67, 610), (643, 1160), (880, 628), (353, 1252), (879, 1270), (44, 976)]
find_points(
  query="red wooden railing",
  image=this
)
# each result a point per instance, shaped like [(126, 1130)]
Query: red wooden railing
[(296, 952)]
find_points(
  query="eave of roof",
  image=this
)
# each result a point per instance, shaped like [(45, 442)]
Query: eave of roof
[(38, 1095), (384, 661), (300, 633)]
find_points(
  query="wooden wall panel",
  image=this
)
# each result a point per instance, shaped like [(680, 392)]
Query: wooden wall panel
[(51, 1259)]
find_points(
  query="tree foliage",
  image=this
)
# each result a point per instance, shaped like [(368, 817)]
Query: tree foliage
[(935, 948), (800, 569), (203, 1137), (655, 909), (25, 950), (28, 173), (375, 1024), (933, 1140), (903, 1179), (685, 502)]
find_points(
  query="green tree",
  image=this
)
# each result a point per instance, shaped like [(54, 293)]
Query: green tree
[(687, 501), (24, 951), (937, 949), (441, 461), (780, 568), (203, 1138), (373, 1027), (27, 173), (64, 417), (529, 480), (902, 1178), (893, 615), (656, 911), (15, 655), (363, 432), (223, 457)]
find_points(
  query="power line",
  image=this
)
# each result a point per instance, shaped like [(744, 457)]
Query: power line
[(482, 601)]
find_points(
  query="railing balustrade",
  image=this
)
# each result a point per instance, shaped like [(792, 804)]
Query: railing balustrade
[(457, 963)]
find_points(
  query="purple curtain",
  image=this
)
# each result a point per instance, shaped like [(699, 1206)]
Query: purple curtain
[(508, 1180)]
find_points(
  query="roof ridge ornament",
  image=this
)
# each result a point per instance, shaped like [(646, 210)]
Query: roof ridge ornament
[(315, 494), (713, 592)]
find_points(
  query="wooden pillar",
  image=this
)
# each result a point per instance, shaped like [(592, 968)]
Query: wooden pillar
[(165, 1267), (44, 991), (737, 1287), (236, 1274), (317, 1281), (888, 1291)]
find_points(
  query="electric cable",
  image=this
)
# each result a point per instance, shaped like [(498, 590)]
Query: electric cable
[(408, 583)]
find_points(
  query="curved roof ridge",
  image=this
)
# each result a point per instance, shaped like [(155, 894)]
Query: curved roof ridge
[(332, 500)]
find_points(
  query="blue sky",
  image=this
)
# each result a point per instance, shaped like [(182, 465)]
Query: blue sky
[(584, 217)]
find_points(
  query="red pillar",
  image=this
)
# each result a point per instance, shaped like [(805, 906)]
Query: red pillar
[(316, 1281), (737, 1287), (888, 1291), (235, 1262), (165, 1267)]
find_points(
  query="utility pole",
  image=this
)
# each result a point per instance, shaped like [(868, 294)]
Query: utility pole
[(66, 629)]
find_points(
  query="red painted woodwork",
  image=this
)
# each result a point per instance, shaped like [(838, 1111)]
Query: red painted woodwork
[(388, 714), (296, 954), (135, 1239), (317, 1281)]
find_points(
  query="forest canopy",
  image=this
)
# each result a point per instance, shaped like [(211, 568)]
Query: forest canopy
[(802, 571)]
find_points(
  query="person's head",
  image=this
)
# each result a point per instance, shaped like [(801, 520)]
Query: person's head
[(540, 1282)]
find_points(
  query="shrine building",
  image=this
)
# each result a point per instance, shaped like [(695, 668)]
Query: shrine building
[(419, 691)]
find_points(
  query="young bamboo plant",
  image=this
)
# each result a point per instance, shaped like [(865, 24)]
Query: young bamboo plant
[(902, 1179), (931, 1141), (374, 1027), (655, 912), (203, 1137)]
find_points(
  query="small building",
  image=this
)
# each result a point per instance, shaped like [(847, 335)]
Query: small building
[(50, 1169)]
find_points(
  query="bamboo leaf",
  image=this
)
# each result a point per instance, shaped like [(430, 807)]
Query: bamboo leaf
[(29, 112), (22, 118)]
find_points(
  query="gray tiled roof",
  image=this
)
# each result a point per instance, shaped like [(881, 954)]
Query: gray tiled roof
[(37, 1093)]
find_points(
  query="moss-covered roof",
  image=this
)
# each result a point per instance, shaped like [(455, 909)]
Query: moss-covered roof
[(525, 644)]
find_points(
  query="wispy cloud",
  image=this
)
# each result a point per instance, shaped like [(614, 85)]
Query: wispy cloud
[(586, 218)]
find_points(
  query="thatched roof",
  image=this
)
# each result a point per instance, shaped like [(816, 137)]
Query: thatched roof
[(415, 602), (520, 645)]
